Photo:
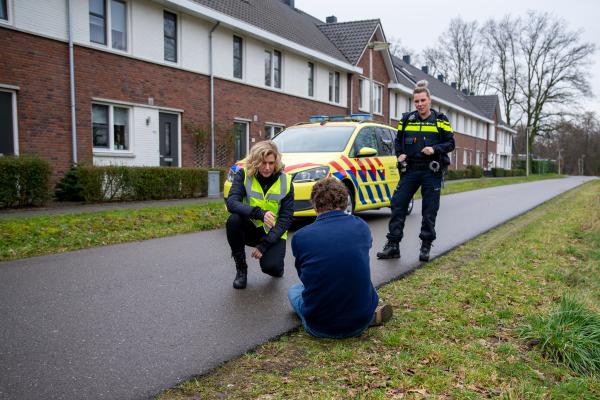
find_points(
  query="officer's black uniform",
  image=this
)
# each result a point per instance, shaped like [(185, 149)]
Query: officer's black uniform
[(414, 134)]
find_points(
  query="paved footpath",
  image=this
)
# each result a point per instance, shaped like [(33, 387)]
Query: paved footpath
[(126, 321)]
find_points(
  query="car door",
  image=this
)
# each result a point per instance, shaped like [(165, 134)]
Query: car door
[(389, 175), (368, 169)]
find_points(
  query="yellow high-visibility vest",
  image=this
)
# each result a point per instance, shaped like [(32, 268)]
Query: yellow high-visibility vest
[(270, 201)]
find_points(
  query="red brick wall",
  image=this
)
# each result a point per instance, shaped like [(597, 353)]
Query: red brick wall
[(379, 75), (235, 100), (39, 67), (105, 75)]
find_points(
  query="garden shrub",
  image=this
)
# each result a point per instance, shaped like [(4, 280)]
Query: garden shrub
[(24, 181)]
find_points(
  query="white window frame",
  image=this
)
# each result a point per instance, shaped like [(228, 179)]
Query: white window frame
[(271, 126), (335, 87), (247, 123), (13, 90), (111, 132), (464, 160), (363, 103), (108, 27), (177, 37), (272, 51), (242, 51), (8, 19), (377, 99), (311, 79)]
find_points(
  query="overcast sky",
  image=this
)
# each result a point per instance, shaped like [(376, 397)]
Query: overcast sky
[(418, 24)]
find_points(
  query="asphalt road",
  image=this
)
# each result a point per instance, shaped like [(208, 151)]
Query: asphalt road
[(126, 321)]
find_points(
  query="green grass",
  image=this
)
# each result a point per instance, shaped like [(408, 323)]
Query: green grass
[(456, 328), (569, 335), (34, 236)]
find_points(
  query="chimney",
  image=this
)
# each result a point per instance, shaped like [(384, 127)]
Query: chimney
[(441, 78), (453, 85), (406, 58), (465, 92), (289, 3), (331, 19), (425, 69)]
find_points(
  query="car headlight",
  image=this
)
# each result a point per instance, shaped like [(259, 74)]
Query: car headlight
[(311, 175)]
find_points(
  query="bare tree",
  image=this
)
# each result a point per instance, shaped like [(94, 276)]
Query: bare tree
[(461, 56), (399, 50), (501, 39), (554, 71)]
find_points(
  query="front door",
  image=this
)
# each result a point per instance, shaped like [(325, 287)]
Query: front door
[(240, 133), (6, 124), (168, 135)]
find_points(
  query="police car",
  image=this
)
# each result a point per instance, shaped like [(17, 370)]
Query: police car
[(353, 149)]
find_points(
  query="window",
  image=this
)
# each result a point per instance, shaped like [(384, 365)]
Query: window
[(311, 79), (118, 23), (118, 17), (98, 21), (240, 134), (272, 130), (170, 28), (273, 68), (362, 100), (465, 152), (365, 138), (8, 142), (277, 68), (4, 10), (385, 141), (334, 87), (110, 127), (378, 99), (237, 57)]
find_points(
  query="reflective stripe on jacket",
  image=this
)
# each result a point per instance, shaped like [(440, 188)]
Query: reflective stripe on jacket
[(270, 201)]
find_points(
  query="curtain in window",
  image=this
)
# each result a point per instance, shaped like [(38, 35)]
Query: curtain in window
[(118, 16), (100, 125), (120, 125)]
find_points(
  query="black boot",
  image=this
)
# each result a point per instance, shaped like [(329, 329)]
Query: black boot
[(425, 249), (241, 276), (390, 250)]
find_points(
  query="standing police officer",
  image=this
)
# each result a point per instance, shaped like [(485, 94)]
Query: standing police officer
[(423, 141)]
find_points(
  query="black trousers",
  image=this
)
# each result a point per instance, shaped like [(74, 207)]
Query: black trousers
[(431, 185), (241, 232)]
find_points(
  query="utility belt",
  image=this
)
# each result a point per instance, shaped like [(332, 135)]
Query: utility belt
[(433, 166)]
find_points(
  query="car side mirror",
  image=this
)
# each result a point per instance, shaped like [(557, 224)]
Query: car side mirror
[(367, 152)]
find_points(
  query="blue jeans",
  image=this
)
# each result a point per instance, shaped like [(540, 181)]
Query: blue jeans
[(296, 300)]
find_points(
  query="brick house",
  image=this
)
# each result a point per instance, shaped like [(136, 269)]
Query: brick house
[(182, 82)]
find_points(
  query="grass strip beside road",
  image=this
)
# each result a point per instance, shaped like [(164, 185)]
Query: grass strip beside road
[(33, 236), (22, 237), (458, 325)]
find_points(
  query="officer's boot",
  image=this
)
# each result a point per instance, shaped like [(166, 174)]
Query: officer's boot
[(425, 249), (241, 275), (390, 250)]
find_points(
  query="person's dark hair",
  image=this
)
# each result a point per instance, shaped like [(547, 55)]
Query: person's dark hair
[(329, 194)]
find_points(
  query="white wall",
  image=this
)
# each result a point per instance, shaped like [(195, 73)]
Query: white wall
[(47, 18)]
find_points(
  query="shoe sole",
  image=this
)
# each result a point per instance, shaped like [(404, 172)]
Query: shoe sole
[(387, 257), (423, 259), (383, 314)]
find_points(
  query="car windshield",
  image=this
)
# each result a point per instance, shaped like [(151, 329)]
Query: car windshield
[(314, 139)]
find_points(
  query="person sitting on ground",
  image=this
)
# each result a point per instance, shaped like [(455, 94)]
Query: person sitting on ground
[(261, 203), (336, 298)]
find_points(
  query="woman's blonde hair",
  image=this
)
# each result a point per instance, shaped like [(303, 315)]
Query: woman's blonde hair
[(421, 87), (259, 152)]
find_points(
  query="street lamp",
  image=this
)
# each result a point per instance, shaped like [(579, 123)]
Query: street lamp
[(377, 46)]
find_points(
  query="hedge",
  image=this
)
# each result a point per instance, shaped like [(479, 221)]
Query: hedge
[(121, 183), (454, 174), (474, 171), (24, 181), (537, 166)]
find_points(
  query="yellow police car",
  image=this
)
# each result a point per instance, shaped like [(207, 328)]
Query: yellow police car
[(355, 150)]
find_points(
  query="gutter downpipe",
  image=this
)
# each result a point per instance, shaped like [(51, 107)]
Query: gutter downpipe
[(212, 95), (72, 85)]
